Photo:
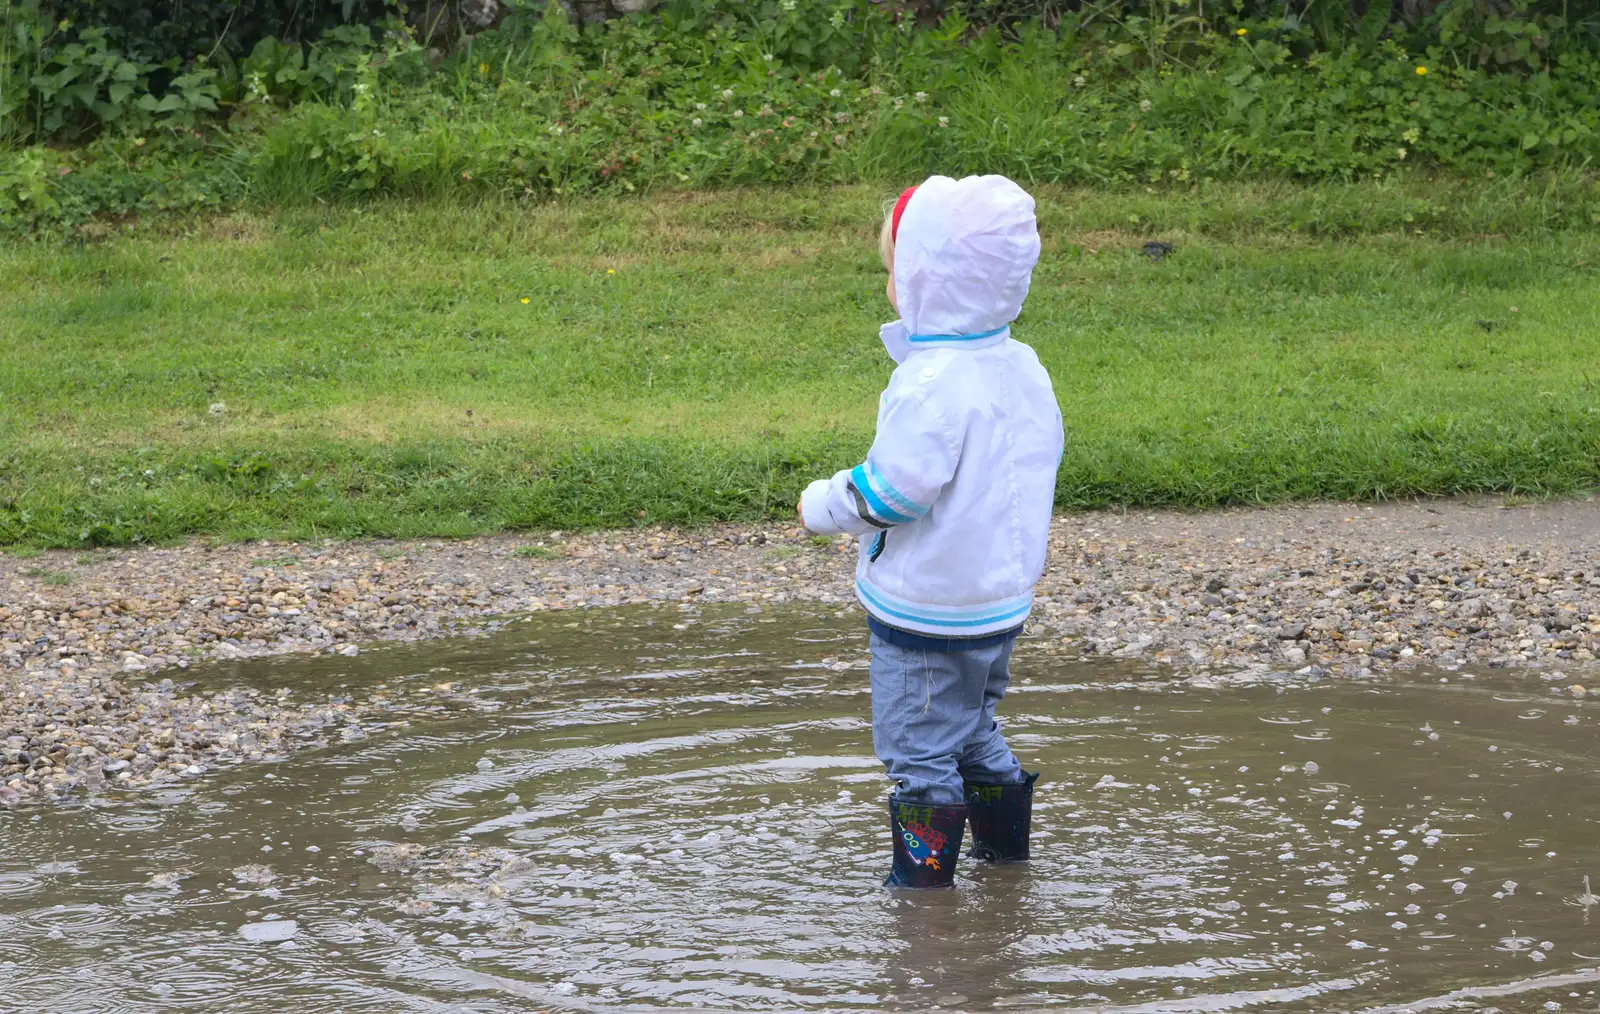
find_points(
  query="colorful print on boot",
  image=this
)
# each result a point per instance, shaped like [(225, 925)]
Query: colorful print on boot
[(927, 843), (1002, 818)]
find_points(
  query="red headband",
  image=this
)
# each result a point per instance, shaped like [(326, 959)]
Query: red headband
[(899, 209)]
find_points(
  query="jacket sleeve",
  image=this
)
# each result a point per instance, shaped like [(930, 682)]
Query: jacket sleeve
[(913, 457)]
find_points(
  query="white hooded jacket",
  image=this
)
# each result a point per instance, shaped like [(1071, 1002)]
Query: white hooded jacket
[(953, 502)]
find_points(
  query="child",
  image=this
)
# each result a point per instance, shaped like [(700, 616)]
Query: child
[(952, 507)]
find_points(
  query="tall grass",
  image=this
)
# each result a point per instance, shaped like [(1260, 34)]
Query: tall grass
[(20, 36), (537, 110)]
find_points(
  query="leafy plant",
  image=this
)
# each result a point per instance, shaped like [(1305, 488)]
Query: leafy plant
[(87, 84), (288, 72), (87, 81), (187, 97), (720, 92), (25, 190), (185, 31)]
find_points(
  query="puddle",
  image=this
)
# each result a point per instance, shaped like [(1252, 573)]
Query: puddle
[(612, 814)]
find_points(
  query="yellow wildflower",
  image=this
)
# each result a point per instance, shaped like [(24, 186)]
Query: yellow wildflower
[(1421, 71), (483, 68), (524, 300), (1241, 33), (611, 271)]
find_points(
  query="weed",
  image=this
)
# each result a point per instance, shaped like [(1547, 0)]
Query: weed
[(535, 553), (700, 93)]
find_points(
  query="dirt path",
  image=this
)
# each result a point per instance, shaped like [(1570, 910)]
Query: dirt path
[(90, 644)]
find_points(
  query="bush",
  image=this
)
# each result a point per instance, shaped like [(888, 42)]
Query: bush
[(72, 68), (115, 179), (718, 92), (185, 30)]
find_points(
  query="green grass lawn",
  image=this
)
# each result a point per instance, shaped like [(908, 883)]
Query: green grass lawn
[(438, 369)]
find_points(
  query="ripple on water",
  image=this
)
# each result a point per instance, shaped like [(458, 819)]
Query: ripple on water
[(804, 683), (824, 635), (44, 992), (15, 884), (14, 952), (715, 838), (74, 921), (1208, 969), (133, 821)]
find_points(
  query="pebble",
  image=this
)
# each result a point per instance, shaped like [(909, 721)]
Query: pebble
[(1344, 588), (393, 858), (254, 874), (414, 906), (93, 695)]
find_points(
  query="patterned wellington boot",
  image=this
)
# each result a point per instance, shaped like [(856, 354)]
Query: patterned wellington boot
[(927, 843), (1002, 817)]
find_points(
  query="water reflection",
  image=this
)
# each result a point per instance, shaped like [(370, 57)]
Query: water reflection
[(623, 816)]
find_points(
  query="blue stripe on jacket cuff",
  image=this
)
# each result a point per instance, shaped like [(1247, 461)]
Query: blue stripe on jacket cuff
[(886, 489), (858, 475)]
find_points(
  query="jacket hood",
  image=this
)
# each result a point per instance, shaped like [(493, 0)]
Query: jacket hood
[(962, 263)]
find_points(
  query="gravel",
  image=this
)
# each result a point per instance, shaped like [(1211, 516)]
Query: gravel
[(1333, 587), (92, 646)]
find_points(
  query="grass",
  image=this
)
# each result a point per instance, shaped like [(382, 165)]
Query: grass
[(433, 369)]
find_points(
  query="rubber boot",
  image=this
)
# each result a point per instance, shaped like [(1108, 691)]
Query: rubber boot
[(1002, 817), (927, 843)]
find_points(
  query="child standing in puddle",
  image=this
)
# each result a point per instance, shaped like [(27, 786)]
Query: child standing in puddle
[(952, 507)]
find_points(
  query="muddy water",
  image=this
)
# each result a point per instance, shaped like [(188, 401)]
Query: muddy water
[(617, 814)]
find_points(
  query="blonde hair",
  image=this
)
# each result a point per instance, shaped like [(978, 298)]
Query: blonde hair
[(886, 237)]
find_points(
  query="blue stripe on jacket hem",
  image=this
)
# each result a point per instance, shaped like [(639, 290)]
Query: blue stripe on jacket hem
[(954, 623)]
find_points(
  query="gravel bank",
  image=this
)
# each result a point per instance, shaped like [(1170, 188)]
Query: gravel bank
[(91, 644)]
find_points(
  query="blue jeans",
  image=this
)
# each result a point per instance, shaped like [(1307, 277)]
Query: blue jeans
[(933, 722)]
